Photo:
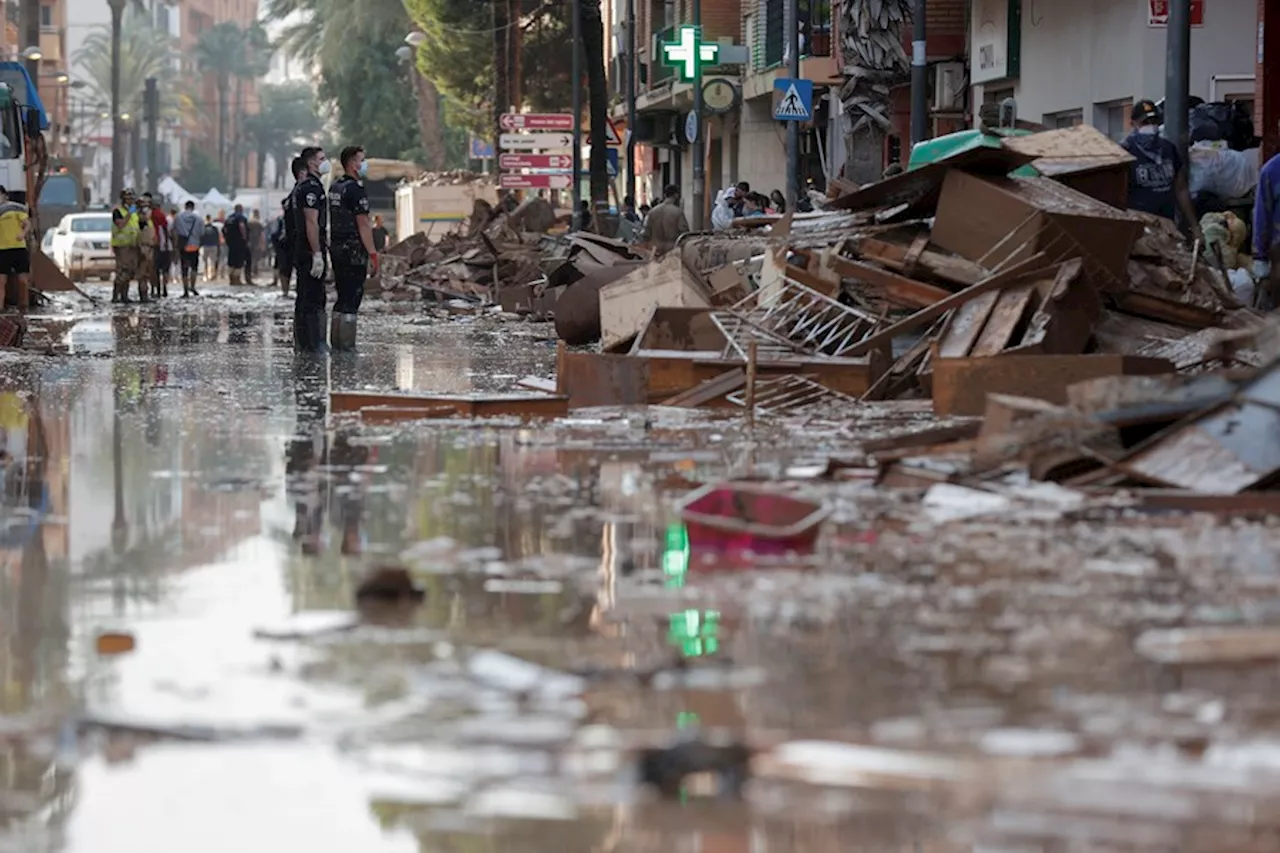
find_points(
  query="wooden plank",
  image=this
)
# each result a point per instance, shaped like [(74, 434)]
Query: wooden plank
[(602, 379), (1010, 310), (965, 326), (961, 385), (1013, 275), (1167, 311), (909, 261), (812, 281), (391, 405), (897, 289), (710, 390), (950, 268)]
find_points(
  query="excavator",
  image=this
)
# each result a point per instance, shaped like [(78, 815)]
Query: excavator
[(24, 166)]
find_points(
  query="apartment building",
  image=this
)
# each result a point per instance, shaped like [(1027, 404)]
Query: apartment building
[(745, 142)]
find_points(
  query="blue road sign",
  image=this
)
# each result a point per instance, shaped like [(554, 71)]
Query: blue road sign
[(796, 101), (613, 162), (481, 150)]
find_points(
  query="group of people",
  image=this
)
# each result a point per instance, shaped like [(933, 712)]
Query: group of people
[(148, 245), (325, 232)]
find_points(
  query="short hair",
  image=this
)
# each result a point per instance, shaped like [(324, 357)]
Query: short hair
[(744, 186), (348, 154), (671, 191), (299, 164), (190, 205), (239, 208), (147, 196), (309, 152)]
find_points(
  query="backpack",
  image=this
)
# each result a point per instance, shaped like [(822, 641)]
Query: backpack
[(209, 235)]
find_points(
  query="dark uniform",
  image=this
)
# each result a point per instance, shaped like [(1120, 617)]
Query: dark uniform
[(308, 310), (285, 244), (347, 200)]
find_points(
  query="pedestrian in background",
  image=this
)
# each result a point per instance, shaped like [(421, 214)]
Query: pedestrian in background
[(779, 201), (257, 245), (235, 233), (665, 223), (210, 248), (287, 240), (187, 232), (353, 251), (159, 282), (148, 241), (124, 244), (380, 234)]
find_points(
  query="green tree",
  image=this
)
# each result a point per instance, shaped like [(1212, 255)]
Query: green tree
[(201, 173), (359, 73), (286, 119), (460, 51), (220, 51)]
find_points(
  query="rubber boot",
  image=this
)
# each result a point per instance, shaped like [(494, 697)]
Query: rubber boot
[(342, 333), (309, 333), (235, 277)]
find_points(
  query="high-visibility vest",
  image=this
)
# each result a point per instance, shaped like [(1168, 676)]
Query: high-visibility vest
[(124, 233)]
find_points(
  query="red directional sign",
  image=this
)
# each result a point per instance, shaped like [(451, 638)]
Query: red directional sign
[(535, 161), (534, 182), (536, 121)]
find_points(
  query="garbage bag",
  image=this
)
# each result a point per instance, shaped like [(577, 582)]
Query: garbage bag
[(1221, 120), (1216, 168)]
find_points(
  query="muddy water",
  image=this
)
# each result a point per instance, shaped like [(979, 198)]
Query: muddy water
[(181, 480)]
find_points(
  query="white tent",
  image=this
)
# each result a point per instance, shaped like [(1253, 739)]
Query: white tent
[(174, 194), (215, 201)]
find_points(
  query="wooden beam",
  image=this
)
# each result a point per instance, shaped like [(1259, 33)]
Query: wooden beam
[(898, 289), (1033, 264)]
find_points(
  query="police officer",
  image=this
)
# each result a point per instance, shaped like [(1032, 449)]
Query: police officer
[(310, 215), (352, 248), (124, 245), (286, 242)]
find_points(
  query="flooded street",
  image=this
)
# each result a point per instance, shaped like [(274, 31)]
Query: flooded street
[(1059, 676)]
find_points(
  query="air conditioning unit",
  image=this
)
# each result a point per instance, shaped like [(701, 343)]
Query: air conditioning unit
[(949, 80)]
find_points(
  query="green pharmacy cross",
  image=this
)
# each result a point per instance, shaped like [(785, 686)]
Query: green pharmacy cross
[(687, 54)]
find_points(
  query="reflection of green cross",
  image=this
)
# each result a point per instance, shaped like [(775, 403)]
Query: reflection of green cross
[(689, 52)]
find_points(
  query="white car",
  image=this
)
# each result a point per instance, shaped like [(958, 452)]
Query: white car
[(82, 246)]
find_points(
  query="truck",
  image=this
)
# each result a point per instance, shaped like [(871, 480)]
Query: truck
[(63, 191)]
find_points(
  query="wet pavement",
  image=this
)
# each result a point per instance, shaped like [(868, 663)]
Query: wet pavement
[(1006, 683)]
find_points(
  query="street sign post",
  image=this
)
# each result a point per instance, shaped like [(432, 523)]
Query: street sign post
[(535, 141), (536, 121), (534, 182), (536, 161), (793, 100)]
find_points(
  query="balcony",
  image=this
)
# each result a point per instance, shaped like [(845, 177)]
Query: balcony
[(765, 30)]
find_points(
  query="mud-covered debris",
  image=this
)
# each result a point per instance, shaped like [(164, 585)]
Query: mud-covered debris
[(388, 585), (308, 624), (667, 769), (858, 766)]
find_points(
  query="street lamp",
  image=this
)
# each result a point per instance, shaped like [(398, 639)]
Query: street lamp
[(404, 53), (415, 38), (33, 53), (117, 162)]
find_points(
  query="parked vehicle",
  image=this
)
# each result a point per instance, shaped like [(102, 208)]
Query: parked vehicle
[(82, 246)]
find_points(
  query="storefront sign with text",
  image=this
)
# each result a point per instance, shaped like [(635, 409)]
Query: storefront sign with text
[(1158, 13)]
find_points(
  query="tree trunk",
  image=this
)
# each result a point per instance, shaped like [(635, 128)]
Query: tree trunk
[(875, 61), (513, 53), (223, 95), (117, 150), (262, 168), (430, 123), (597, 101), (236, 173), (501, 71)]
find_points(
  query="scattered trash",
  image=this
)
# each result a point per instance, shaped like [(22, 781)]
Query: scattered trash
[(668, 769), (741, 519), (112, 643)]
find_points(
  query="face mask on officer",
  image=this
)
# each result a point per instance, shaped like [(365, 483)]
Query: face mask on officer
[(364, 168), (324, 167)]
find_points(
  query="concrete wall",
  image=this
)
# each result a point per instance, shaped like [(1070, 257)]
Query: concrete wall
[(1086, 52), (762, 146)]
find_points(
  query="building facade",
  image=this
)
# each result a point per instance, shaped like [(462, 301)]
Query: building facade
[(1087, 61)]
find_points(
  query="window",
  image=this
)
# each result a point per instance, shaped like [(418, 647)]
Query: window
[(84, 224), (1067, 118), (1112, 118), (46, 17), (162, 18)]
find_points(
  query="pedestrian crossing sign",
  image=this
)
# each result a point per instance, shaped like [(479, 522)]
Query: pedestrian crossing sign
[(793, 100)]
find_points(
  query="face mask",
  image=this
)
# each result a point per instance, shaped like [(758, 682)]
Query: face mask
[(325, 167), (364, 169)]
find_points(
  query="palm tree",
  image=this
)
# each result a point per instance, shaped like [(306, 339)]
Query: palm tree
[(220, 51), (319, 33), (875, 62), (256, 64), (117, 16), (115, 64), (286, 116)]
